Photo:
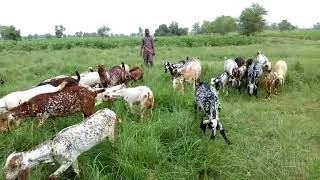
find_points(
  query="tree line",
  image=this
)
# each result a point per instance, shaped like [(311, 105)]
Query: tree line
[(250, 22)]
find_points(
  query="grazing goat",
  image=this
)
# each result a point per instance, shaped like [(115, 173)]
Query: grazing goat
[(270, 83), (57, 81), (67, 101), (136, 74), (177, 83), (65, 147), (254, 72), (263, 61), (171, 67), (101, 96), (229, 67), (207, 100), (280, 69), (14, 99), (118, 75), (140, 94), (190, 71), (220, 81)]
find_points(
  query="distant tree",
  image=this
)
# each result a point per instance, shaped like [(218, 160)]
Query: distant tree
[(140, 33), (59, 29), (285, 25), (47, 36), (207, 27), (273, 27), (317, 26), (252, 20), (224, 24), (196, 28), (92, 34), (103, 31), (79, 34), (10, 33), (162, 30)]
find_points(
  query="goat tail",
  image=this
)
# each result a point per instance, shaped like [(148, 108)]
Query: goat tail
[(90, 69), (78, 76), (123, 66)]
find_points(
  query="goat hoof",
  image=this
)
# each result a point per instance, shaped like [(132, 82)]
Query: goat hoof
[(52, 177)]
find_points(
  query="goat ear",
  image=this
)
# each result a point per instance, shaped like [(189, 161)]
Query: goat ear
[(15, 161)]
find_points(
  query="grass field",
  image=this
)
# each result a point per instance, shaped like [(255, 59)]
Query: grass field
[(272, 139)]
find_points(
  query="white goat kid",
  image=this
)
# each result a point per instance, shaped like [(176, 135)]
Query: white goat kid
[(280, 69), (101, 96), (229, 66), (65, 147), (220, 81), (140, 94), (14, 99)]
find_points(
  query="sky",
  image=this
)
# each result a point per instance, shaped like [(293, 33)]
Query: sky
[(126, 16)]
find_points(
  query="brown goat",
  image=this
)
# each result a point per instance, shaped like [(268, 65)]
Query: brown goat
[(67, 101), (118, 75), (136, 74), (104, 79), (57, 81), (271, 83)]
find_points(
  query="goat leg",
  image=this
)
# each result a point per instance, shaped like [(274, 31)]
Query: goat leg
[(60, 170), (75, 167), (224, 136)]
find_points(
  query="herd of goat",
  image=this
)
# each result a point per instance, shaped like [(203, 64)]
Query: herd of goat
[(64, 95)]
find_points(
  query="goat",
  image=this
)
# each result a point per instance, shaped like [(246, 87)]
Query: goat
[(280, 69), (207, 100), (177, 83), (57, 81), (270, 83), (240, 61), (140, 94), (170, 67), (220, 81), (229, 67), (65, 147), (101, 96), (125, 67), (190, 71), (254, 72), (118, 75), (263, 61), (14, 99), (104, 78), (67, 101), (136, 74)]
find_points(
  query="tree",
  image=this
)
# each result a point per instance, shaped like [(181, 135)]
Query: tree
[(224, 24), (273, 27), (317, 26), (251, 19), (10, 33), (59, 29), (79, 34), (140, 33), (286, 26), (207, 27), (162, 30), (196, 29), (103, 31)]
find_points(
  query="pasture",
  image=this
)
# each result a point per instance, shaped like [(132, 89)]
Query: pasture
[(271, 139)]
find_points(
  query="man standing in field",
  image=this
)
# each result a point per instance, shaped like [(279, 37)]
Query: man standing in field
[(147, 47)]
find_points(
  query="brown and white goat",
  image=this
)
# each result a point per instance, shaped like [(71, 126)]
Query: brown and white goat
[(136, 74), (270, 82), (67, 101), (118, 75)]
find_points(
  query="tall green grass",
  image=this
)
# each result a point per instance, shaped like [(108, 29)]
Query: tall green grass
[(111, 42), (305, 35), (272, 139)]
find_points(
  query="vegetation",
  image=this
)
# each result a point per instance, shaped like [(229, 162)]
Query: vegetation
[(59, 31), (103, 31), (9, 33), (272, 139), (112, 42), (285, 25), (307, 34), (251, 19), (172, 30), (221, 25)]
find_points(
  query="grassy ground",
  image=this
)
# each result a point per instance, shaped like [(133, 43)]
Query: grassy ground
[(272, 139)]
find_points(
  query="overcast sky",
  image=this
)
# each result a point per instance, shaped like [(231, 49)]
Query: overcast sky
[(125, 16)]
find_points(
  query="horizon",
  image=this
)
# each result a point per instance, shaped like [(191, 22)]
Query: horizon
[(125, 17)]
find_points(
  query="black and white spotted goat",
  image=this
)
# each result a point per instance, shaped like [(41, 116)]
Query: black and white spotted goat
[(171, 67), (65, 147), (207, 100), (254, 72)]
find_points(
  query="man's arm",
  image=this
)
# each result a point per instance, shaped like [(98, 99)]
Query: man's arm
[(142, 45)]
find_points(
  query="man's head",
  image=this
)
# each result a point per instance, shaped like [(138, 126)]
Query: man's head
[(147, 32)]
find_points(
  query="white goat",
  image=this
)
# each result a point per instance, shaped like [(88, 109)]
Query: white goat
[(140, 94), (14, 99), (190, 71), (65, 147), (101, 96), (230, 66), (280, 69), (222, 81), (263, 61)]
